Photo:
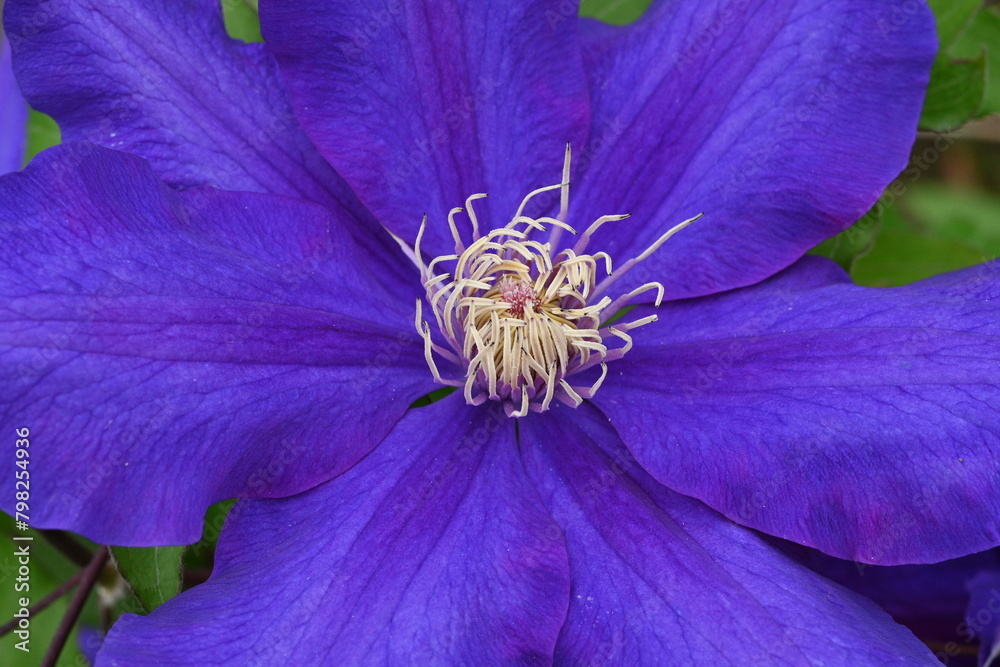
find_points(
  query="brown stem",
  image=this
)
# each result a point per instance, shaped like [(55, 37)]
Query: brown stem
[(60, 591), (89, 577), (68, 546)]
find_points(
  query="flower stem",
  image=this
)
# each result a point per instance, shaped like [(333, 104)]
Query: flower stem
[(88, 577), (68, 547), (60, 591)]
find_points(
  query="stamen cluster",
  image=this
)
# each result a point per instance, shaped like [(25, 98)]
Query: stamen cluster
[(521, 319)]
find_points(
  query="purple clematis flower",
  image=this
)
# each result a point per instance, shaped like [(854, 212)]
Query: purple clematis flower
[(201, 300)]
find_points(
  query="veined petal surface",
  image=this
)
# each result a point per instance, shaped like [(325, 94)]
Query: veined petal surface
[(660, 579), (169, 350), (163, 80), (860, 421), (420, 104), (781, 121), (13, 114), (433, 550)]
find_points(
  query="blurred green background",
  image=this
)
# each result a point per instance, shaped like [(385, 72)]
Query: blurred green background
[(942, 214)]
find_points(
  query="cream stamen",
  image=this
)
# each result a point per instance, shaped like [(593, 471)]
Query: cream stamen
[(520, 319)]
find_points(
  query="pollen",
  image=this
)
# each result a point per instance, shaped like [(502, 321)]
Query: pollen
[(520, 320)]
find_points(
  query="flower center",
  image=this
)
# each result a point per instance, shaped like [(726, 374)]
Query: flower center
[(521, 319), (518, 293)]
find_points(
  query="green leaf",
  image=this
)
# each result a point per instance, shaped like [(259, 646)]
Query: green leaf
[(241, 20), (200, 555), (955, 93), (48, 570), (983, 33), (901, 256), (965, 216), (848, 246), (951, 17), (616, 12), (43, 132), (153, 573), (432, 397)]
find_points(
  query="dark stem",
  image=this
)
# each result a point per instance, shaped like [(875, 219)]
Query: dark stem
[(68, 546), (195, 576), (107, 618), (62, 589), (89, 577)]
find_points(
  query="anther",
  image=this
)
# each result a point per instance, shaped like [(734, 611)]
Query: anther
[(519, 320)]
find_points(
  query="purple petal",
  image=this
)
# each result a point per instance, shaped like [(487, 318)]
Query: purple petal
[(169, 350), (434, 549), (659, 578), (982, 618), (931, 600), (782, 122), (420, 105), (89, 641), (13, 115), (161, 79), (859, 421)]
